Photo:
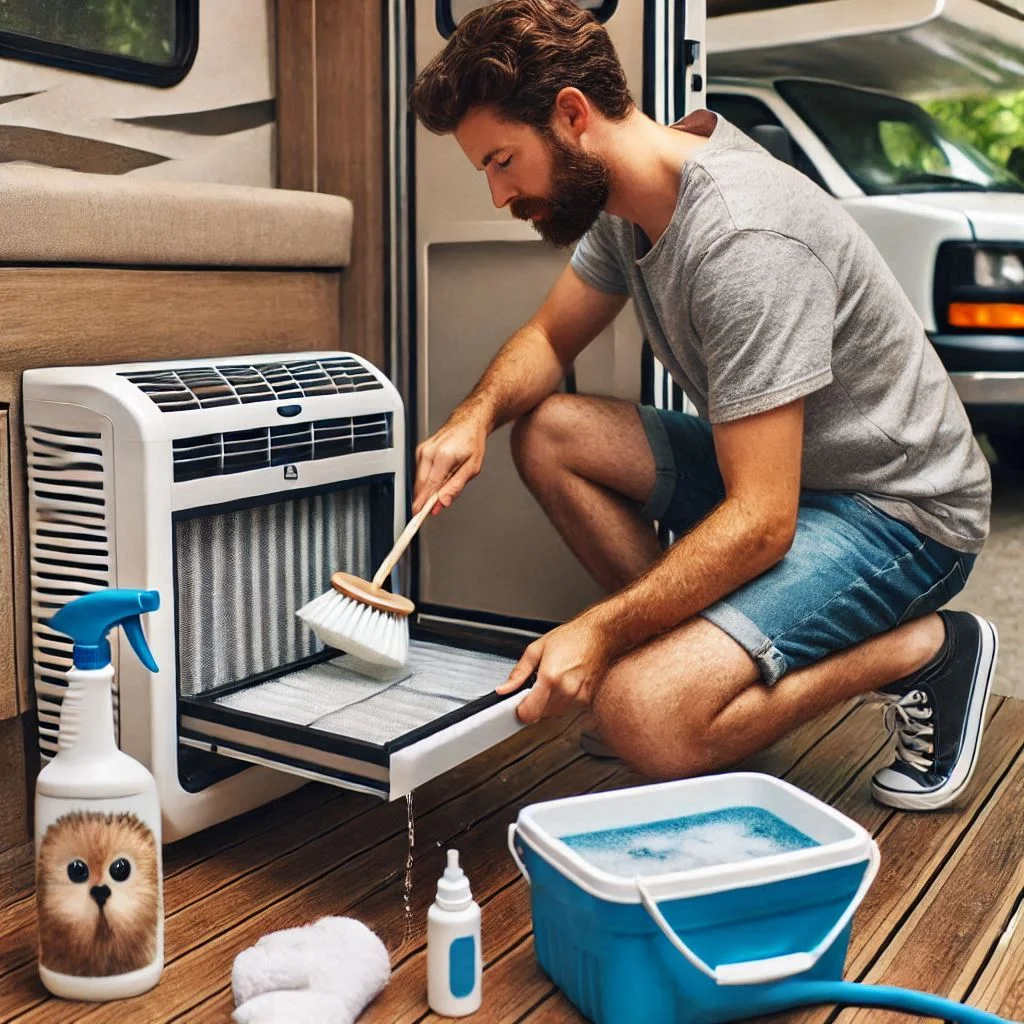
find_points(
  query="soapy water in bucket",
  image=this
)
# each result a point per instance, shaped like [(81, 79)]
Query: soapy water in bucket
[(725, 836)]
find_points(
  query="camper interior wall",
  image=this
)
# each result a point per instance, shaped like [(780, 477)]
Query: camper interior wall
[(305, 115)]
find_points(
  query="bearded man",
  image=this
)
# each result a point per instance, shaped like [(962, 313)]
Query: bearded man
[(828, 499)]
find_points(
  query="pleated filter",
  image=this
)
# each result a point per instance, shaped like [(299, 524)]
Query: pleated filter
[(339, 696), (242, 573)]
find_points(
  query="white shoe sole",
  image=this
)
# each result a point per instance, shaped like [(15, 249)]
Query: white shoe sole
[(960, 778)]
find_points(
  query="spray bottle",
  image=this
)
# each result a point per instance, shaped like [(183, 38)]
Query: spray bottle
[(99, 874), (454, 958)]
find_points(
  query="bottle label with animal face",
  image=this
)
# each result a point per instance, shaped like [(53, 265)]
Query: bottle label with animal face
[(99, 889)]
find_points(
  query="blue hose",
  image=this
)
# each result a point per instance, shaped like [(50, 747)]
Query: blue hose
[(788, 994)]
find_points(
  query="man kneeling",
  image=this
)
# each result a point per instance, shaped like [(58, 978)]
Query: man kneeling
[(830, 497)]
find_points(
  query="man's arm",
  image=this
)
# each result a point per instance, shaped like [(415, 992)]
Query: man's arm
[(749, 532), (766, 341), (527, 369)]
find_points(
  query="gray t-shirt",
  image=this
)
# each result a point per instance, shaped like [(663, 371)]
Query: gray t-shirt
[(763, 290)]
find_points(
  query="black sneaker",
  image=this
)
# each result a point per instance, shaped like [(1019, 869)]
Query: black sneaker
[(937, 716)]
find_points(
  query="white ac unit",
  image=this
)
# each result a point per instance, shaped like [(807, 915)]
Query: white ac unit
[(235, 487)]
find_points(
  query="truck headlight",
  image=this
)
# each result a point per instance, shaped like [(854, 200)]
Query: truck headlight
[(998, 268), (980, 287)]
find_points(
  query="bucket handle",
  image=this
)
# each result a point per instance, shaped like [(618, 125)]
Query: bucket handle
[(772, 968), (515, 853)]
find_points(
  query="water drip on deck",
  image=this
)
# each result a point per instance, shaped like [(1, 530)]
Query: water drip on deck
[(407, 887)]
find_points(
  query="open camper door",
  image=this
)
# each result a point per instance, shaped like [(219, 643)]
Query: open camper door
[(475, 275), (905, 47)]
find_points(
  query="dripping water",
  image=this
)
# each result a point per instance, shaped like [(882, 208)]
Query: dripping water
[(407, 887)]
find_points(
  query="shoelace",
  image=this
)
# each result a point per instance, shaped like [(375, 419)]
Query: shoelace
[(910, 719)]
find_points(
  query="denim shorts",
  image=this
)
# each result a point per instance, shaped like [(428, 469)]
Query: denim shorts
[(853, 570)]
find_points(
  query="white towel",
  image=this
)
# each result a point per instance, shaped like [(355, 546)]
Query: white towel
[(323, 973)]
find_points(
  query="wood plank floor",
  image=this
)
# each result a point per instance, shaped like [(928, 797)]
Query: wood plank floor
[(941, 915)]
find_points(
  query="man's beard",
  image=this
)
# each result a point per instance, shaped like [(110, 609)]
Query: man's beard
[(580, 184)]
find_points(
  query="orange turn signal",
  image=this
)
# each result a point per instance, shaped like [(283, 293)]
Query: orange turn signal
[(987, 315)]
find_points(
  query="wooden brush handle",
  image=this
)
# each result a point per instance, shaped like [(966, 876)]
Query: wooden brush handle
[(403, 542)]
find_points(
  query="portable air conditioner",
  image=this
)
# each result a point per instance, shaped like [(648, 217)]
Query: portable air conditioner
[(235, 488)]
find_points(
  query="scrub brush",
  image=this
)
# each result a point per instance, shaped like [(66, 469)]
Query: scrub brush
[(362, 618)]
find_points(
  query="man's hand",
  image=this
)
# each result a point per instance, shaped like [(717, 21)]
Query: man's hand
[(450, 459), (570, 662)]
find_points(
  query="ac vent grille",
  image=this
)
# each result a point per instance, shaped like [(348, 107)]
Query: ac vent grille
[(209, 386), (238, 451), (69, 554)]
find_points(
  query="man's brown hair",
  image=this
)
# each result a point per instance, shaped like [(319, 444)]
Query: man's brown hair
[(516, 56)]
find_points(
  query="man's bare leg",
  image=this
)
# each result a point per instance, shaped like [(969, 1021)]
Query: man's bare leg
[(589, 465), (691, 701)]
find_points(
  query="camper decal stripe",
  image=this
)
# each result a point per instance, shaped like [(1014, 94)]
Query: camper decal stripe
[(19, 96), (220, 121), (73, 152)]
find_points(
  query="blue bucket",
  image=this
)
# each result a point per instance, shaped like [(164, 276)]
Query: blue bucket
[(698, 946)]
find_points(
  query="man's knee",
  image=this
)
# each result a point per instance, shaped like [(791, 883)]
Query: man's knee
[(541, 436), (658, 744), (659, 709), (686, 755)]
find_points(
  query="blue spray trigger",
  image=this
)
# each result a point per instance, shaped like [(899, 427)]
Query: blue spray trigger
[(133, 630), (89, 618)]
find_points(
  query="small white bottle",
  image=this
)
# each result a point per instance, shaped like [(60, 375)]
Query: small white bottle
[(454, 957)]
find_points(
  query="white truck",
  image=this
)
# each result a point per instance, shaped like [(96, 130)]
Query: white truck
[(823, 85)]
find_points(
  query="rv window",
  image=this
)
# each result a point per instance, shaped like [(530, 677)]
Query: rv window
[(747, 114), (150, 41), (448, 13)]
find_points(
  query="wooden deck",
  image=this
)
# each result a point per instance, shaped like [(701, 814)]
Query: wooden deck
[(941, 915)]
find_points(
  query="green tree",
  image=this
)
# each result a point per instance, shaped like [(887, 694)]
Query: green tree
[(991, 122)]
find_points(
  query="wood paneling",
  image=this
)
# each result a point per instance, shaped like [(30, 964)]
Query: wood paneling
[(296, 96), (8, 669), (13, 785), (66, 316), (58, 316), (331, 102), (350, 156), (17, 876)]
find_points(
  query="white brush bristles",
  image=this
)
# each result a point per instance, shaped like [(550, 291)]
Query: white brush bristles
[(367, 632)]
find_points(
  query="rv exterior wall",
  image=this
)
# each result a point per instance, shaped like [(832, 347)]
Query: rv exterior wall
[(216, 125)]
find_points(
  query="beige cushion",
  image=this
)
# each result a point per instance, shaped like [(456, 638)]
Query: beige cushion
[(53, 215)]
